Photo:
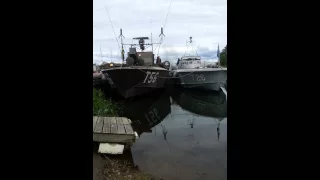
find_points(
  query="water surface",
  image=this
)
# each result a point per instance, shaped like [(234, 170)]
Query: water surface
[(183, 134)]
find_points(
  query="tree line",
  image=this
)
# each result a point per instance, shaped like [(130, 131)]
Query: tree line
[(223, 57)]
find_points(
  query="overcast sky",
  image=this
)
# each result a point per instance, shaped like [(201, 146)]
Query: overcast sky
[(204, 20)]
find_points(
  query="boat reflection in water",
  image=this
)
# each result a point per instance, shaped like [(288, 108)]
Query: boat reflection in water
[(181, 137), (213, 104), (210, 104), (147, 111)]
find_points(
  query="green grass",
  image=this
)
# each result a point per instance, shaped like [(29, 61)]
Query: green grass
[(103, 106)]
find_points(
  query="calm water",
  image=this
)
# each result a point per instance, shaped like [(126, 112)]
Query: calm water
[(183, 134)]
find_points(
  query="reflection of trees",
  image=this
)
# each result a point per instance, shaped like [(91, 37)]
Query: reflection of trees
[(218, 121), (164, 132), (191, 122), (218, 128)]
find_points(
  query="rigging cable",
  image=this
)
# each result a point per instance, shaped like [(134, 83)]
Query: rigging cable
[(167, 15), (113, 29), (165, 22), (186, 50), (195, 49)]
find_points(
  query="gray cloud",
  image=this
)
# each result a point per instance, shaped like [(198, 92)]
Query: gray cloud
[(204, 20)]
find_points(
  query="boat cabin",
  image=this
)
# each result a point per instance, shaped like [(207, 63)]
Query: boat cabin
[(189, 62)]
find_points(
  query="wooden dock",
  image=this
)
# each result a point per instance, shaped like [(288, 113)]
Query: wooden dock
[(113, 130)]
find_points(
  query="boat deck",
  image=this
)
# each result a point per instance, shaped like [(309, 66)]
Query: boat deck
[(138, 67), (200, 69), (113, 130)]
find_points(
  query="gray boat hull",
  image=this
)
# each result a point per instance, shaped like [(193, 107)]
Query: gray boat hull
[(136, 80), (202, 78)]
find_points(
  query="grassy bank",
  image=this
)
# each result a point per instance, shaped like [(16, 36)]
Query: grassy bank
[(114, 167), (103, 106)]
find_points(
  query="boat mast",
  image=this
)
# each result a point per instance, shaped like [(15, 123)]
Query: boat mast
[(122, 50), (151, 43), (152, 48)]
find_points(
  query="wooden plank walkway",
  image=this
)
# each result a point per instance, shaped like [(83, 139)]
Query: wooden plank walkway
[(112, 130)]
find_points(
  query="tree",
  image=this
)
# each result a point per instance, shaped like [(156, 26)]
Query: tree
[(223, 57)]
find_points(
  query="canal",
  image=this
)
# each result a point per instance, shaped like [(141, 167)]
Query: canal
[(183, 134)]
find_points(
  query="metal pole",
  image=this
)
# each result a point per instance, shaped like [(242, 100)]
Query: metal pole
[(152, 49), (151, 43), (122, 50)]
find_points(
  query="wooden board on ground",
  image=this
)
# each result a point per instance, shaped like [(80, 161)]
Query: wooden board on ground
[(106, 126), (113, 138), (95, 119), (112, 130), (107, 120), (119, 120), (121, 129), (99, 125), (113, 120), (125, 120), (129, 129)]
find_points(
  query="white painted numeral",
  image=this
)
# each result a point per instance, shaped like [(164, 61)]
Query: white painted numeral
[(152, 77), (152, 116), (198, 77), (148, 72)]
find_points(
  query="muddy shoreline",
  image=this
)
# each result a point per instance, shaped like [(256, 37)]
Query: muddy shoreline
[(117, 167)]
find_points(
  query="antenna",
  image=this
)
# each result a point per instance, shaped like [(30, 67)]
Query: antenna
[(190, 42), (161, 34), (121, 36), (122, 50), (141, 41)]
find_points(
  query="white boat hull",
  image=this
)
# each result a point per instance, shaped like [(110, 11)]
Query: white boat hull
[(202, 78)]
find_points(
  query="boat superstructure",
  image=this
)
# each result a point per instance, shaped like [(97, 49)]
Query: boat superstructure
[(191, 74), (138, 74)]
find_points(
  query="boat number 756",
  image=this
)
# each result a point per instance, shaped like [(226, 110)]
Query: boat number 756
[(152, 77)]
